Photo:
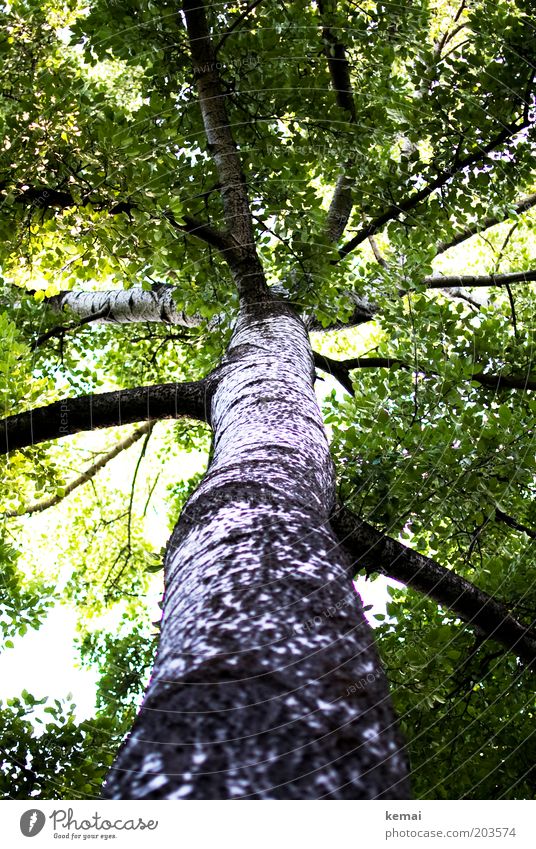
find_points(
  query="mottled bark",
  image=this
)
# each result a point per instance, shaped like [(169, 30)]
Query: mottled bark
[(267, 684), (240, 252)]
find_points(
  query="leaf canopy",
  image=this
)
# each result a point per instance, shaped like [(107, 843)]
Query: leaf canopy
[(103, 157)]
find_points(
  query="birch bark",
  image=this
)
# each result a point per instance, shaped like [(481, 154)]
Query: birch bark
[(137, 305), (266, 684), (125, 306)]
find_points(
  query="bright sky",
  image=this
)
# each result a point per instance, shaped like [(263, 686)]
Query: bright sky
[(44, 663)]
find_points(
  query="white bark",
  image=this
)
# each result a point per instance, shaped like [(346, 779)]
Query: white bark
[(266, 683), (125, 306), (137, 306)]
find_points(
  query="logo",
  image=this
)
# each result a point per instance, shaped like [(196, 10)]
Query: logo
[(31, 822)]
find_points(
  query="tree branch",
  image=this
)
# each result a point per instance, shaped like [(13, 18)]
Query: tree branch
[(341, 204), (506, 381), (108, 409), (475, 280), (513, 523), (86, 476), (44, 197), (205, 232), (123, 306), (241, 252), (373, 550), (520, 207), (236, 23), (408, 203), (62, 329), (340, 369), (138, 305), (157, 305)]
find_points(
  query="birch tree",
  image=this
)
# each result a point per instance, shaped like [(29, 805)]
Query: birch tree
[(261, 196)]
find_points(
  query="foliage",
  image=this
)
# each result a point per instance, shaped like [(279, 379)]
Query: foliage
[(462, 704), (124, 660), (23, 604), (55, 758)]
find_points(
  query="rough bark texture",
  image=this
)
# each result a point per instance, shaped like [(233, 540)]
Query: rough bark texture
[(266, 684), (240, 253)]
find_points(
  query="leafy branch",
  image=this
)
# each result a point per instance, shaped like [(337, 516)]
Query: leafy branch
[(87, 475)]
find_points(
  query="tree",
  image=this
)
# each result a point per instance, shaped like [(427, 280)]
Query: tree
[(242, 180)]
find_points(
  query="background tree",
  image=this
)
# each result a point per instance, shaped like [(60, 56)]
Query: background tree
[(369, 169)]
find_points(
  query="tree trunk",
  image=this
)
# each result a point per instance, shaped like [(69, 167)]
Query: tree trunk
[(267, 684)]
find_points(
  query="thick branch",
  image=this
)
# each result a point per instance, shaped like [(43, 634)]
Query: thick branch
[(86, 476), (201, 231), (241, 253), (108, 409), (408, 203), (340, 369), (377, 552), (157, 305), (124, 306), (475, 280), (479, 226), (513, 523), (341, 204), (506, 381)]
